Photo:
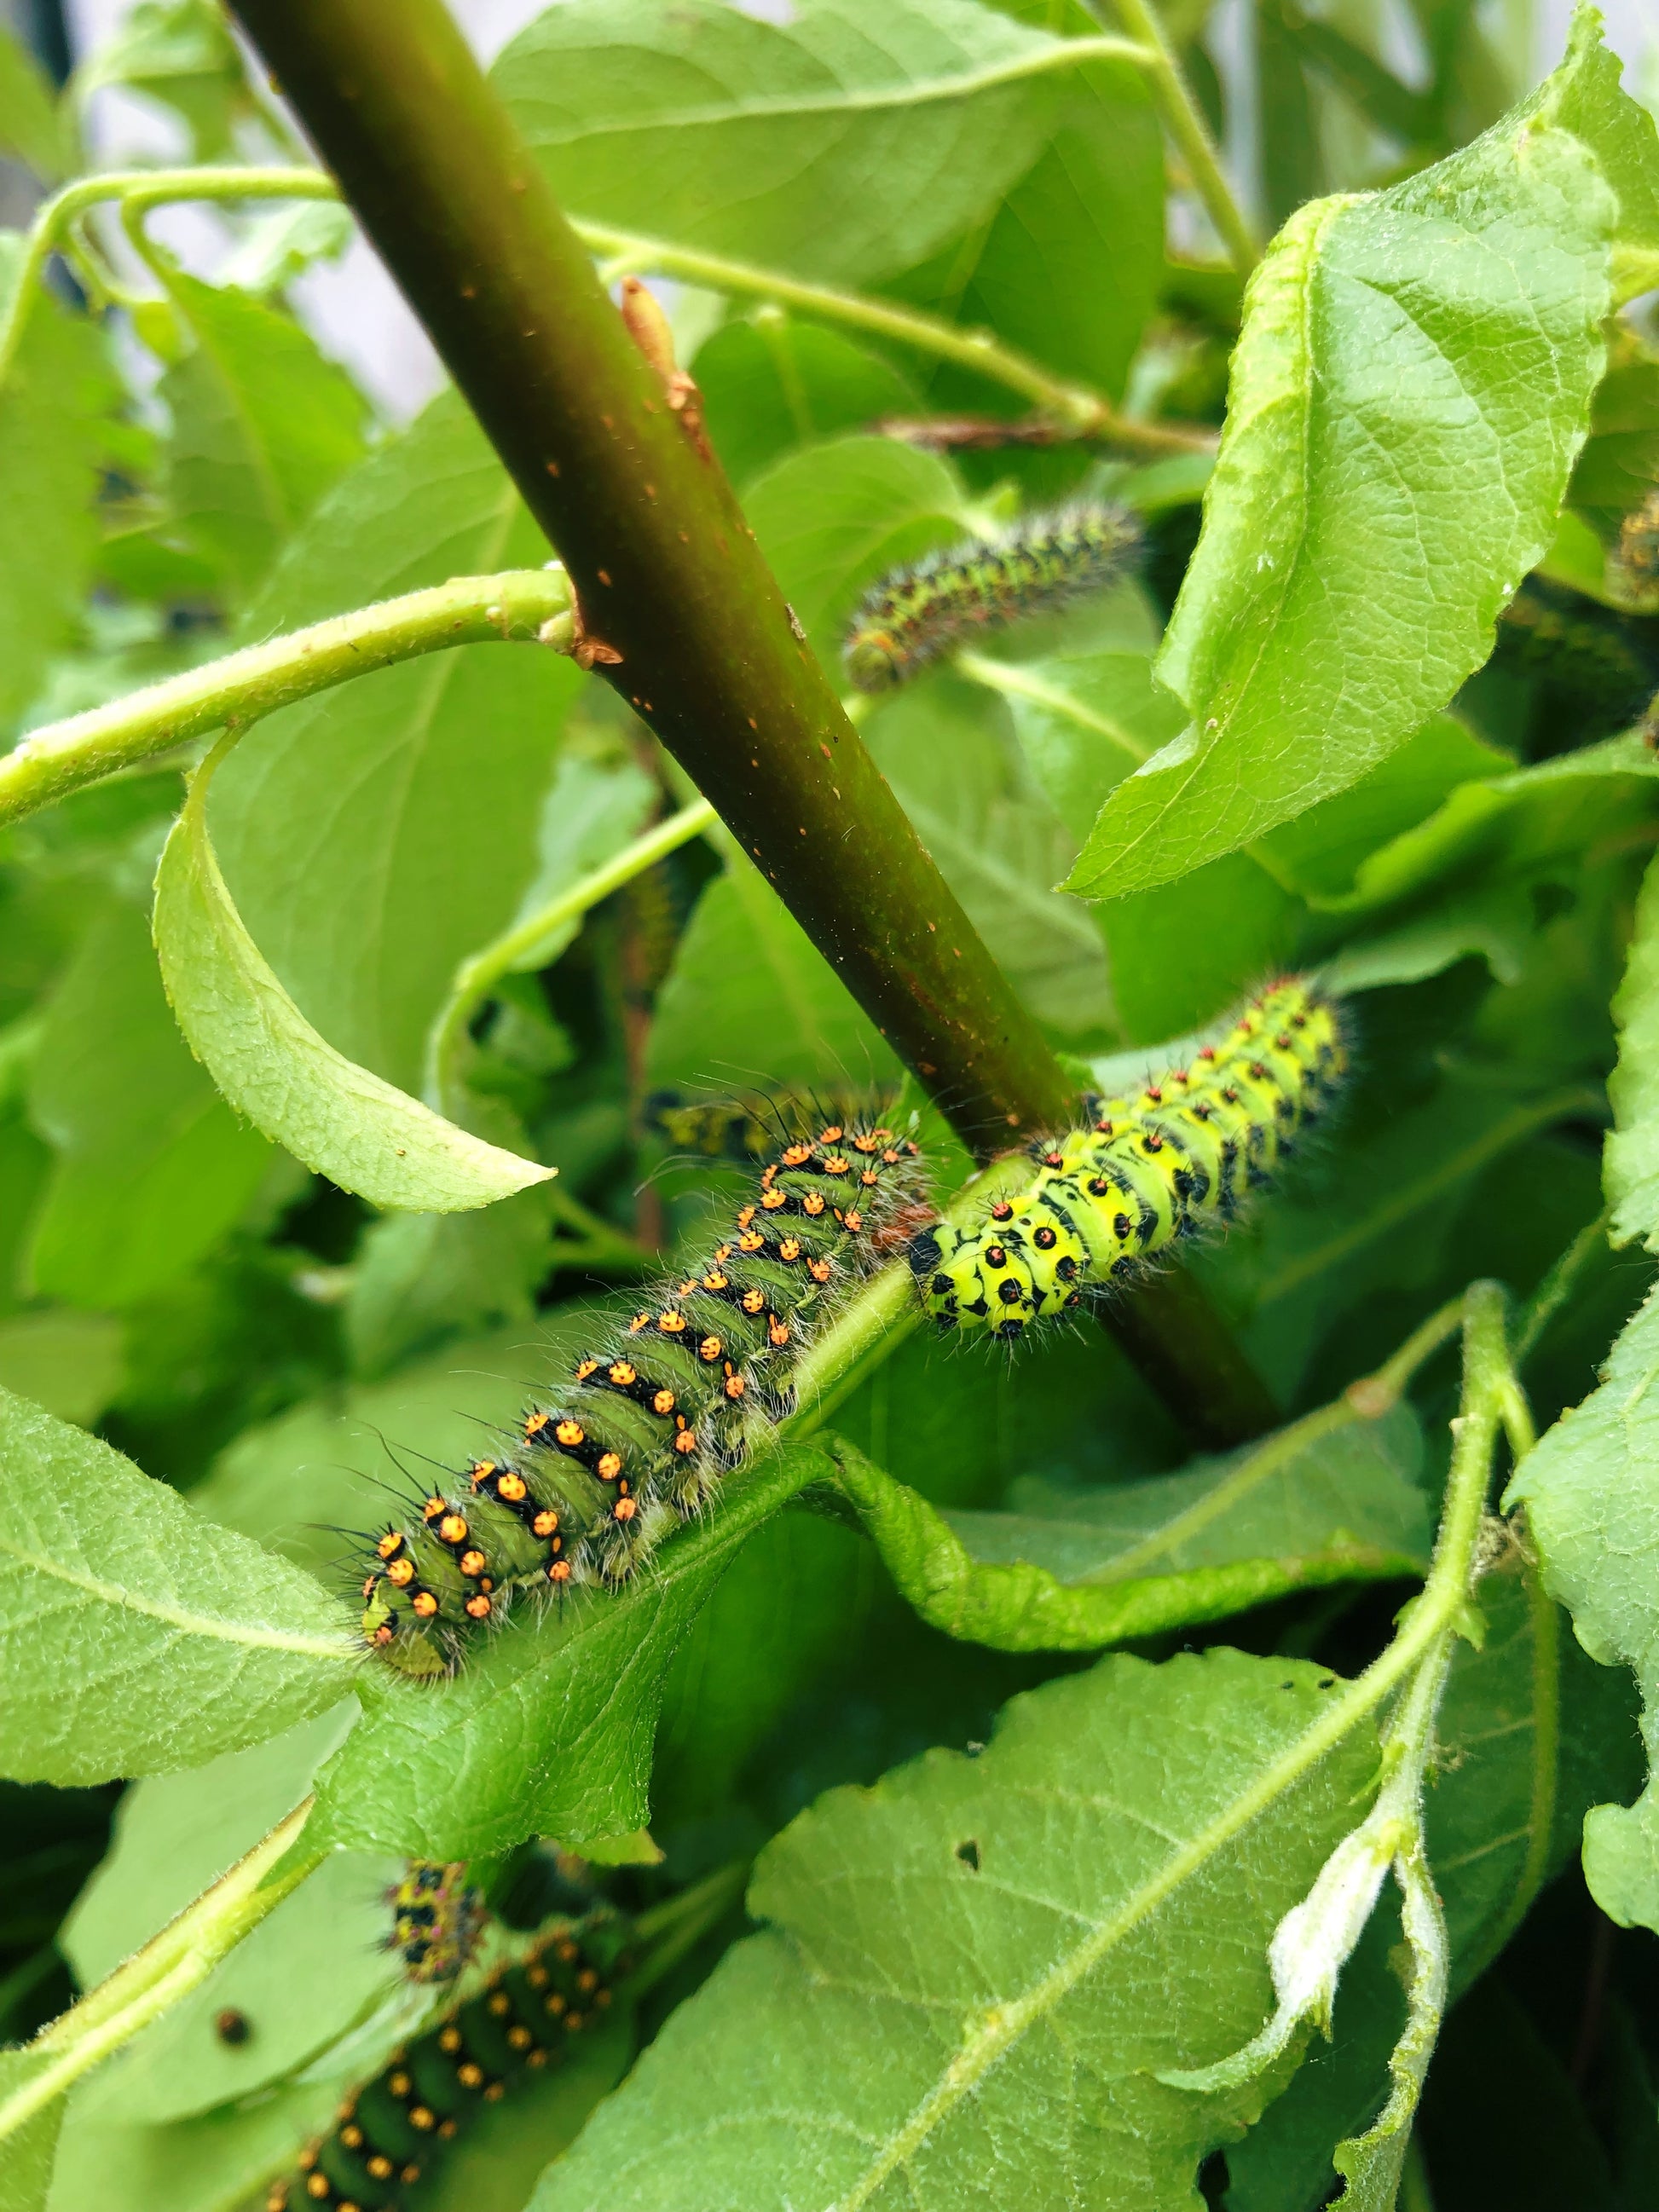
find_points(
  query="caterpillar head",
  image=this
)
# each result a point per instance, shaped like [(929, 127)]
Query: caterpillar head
[(875, 660)]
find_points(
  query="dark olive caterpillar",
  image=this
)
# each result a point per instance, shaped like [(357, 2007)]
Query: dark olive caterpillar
[(1145, 1171), (741, 1131), (647, 1423), (915, 615), (437, 1919), (386, 2138)]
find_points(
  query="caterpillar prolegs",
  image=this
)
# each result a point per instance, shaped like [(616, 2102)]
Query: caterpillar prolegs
[(1143, 1171), (646, 1423)]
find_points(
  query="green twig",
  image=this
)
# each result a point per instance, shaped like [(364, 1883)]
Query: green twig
[(1559, 1284), (476, 976), (1184, 120), (58, 216), (167, 1968), (236, 690), (1084, 413)]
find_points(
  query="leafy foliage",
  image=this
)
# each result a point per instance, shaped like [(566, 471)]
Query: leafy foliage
[(330, 1130)]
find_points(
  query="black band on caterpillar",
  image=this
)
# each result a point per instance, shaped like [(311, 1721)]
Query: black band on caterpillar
[(1145, 1171), (915, 615), (386, 2138), (648, 1421), (437, 1919)]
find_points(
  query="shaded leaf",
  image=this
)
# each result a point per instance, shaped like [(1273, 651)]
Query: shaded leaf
[(1318, 1503), (337, 1118), (30, 128), (437, 768), (263, 425), (1592, 1503), (936, 1940), (1411, 388), (760, 137), (834, 518), (769, 384), (135, 1637), (1630, 1161), (750, 1000), (57, 396), (152, 1167)]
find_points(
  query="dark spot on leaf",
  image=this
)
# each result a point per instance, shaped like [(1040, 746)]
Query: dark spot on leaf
[(969, 1854), (231, 2026)]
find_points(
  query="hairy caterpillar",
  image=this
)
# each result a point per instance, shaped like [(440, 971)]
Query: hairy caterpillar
[(916, 614), (649, 1420), (1144, 1172), (437, 1919), (1638, 541), (1604, 662), (521, 2021), (738, 1130)]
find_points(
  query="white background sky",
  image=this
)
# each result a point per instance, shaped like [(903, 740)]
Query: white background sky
[(356, 310)]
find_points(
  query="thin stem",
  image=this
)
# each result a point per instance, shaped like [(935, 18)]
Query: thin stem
[(1184, 120), (1559, 1284), (238, 689), (1085, 413), (167, 1968), (57, 216), (680, 612), (477, 975)]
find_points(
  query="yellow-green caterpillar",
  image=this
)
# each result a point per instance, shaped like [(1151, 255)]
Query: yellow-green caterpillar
[(917, 614), (1144, 1172)]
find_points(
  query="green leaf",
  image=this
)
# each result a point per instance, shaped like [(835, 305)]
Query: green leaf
[(1593, 1508), (276, 249), (749, 999), (1067, 268), (1084, 723), (437, 768), (1630, 1160), (263, 426), (180, 52), (30, 129), (1319, 854), (769, 384), (1321, 1502), (135, 1637), (762, 139), (1412, 386), (945, 748), (1584, 96), (548, 1728), (1620, 460), (301, 1979), (834, 518), (58, 396), (1182, 954), (153, 1168), (25, 2178), (980, 1964), (218, 2163), (337, 1118), (70, 1363)]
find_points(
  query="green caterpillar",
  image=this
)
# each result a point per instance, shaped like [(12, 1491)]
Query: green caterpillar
[(916, 614), (437, 1919), (386, 2138), (648, 1422), (1145, 1172)]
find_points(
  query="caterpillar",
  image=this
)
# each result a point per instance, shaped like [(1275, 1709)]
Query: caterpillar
[(1144, 1172), (648, 1420), (386, 2138), (1639, 545), (738, 1130), (437, 1919), (916, 614)]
